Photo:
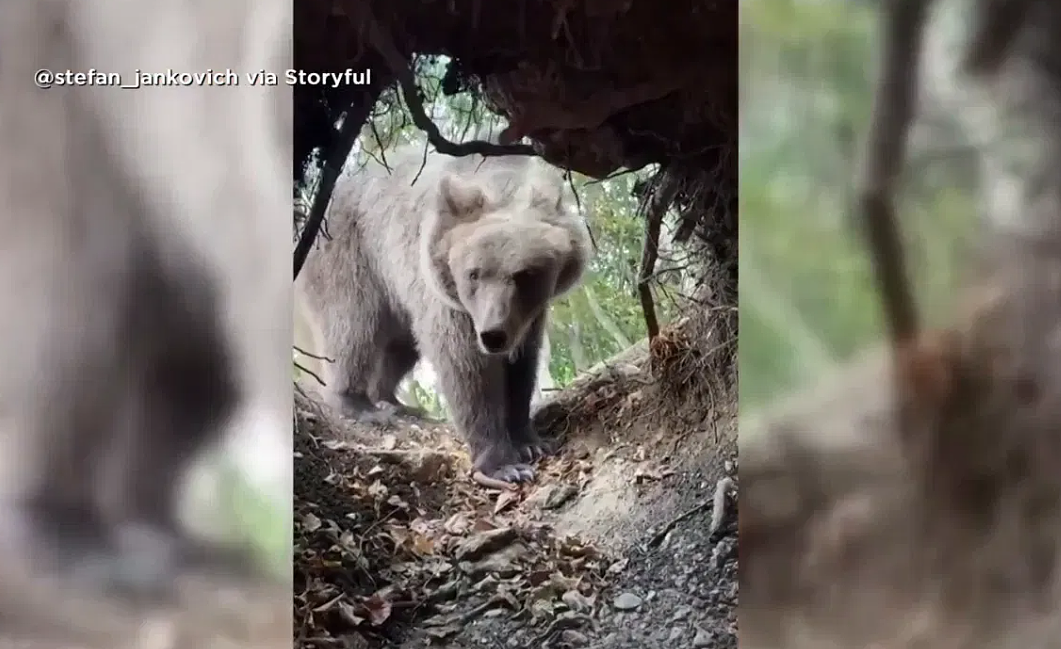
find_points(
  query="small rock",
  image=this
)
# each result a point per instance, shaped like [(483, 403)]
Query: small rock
[(681, 613), (560, 496), (627, 602), (675, 634), (618, 566), (575, 600), (504, 564), (703, 638), (574, 638), (484, 543)]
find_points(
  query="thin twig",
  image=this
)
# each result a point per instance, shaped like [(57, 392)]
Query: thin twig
[(313, 356), (717, 505), (301, 368)]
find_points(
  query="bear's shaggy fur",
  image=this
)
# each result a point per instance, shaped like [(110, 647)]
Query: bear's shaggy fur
[(459, 266)]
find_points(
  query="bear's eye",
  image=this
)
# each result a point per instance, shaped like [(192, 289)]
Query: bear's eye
[(473, 274)]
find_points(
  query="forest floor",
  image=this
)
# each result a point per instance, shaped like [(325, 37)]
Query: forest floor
[(207, 612), (617, 544)]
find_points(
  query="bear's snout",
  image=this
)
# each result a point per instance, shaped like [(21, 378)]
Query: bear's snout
[(494, 341)]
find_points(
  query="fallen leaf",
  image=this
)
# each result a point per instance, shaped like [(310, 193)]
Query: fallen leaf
[(506, 499), (423, 544), (348, 614), (378, 608), (484, 543), (311, 523)]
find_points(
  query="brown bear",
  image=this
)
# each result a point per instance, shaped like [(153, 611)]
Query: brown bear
[(455, 259)]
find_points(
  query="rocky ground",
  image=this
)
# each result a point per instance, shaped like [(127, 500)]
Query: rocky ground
[(627, 539)]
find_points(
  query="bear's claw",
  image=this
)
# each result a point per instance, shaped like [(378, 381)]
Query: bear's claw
[(505, 463), (510, 474), (532, 452), (528, 446)]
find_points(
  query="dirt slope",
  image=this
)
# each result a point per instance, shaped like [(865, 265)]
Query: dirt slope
[(614, 546)]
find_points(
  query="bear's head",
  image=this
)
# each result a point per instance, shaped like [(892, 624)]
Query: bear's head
[(503, 261)]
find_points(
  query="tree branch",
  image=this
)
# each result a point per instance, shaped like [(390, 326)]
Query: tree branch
[(893, 111), (399, 65), (333, 166), (660, 203)]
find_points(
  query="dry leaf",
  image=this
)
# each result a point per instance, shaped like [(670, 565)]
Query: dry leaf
[(423, 545), (311, 523), (378, 609), (348, 614), (506, 499), (482, 525)]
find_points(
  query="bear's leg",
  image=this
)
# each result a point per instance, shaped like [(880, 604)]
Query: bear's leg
[(356, 339), (399, 358), (473, 385), (59, 522), (521, 374), (185, 394)]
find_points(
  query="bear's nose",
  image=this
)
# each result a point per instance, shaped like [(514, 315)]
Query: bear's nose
[(493, 340)]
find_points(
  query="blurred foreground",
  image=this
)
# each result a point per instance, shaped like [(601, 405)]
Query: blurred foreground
[(910, 497)]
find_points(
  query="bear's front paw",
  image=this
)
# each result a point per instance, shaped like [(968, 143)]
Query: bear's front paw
[(503, 462)]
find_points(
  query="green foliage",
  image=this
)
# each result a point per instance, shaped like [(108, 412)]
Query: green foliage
[(228, 504), (261, 521), (806, 295)]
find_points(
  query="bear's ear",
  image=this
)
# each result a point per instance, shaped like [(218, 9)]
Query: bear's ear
[(436, 267), (543, 195), (574, 259), (462, 200)]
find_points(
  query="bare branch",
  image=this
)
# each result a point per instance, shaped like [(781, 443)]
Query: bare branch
[(306, 370), (330, 171), (659, 205)]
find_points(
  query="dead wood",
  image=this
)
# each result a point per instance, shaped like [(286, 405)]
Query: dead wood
[(597, 84)]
